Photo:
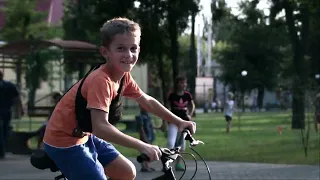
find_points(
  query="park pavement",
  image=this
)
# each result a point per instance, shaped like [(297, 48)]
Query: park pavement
[(18, 167)]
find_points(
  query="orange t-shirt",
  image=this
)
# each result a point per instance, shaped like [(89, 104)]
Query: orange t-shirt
[(99, 90)]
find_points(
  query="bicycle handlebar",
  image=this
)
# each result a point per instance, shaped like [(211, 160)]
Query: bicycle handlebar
[(172, 154)]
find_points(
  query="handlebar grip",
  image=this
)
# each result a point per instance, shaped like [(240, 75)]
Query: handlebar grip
[(186, 131), (141, 158), (186, 135)]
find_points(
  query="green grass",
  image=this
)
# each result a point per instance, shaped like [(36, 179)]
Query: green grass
[(257, 139)]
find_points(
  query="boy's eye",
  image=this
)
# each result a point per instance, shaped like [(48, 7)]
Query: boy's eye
[(134, 49), (120, 48)]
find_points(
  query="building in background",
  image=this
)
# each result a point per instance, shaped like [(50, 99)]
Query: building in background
[(55, 14)]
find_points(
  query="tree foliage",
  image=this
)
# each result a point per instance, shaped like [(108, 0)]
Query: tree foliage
[(23, 22), (250, 44)]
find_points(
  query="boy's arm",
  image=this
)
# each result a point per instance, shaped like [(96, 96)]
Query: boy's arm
[(99, 97), (150, 104), (103, 129), (167, 105)]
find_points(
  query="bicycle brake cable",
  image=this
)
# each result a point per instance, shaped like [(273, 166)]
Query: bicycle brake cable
[(208, 170), (195, 160)]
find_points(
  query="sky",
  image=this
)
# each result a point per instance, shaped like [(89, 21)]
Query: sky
[(206, 10)]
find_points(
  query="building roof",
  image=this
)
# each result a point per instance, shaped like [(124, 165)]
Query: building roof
[(21, 48)]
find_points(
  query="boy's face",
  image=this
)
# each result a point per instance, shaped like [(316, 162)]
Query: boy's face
[(123, 52)]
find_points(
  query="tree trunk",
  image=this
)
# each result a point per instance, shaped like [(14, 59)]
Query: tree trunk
[(174, 48), (163, 81), (19, 73), (193, 58), (298, 105), (298, 49), (32, 97), (260, 97)]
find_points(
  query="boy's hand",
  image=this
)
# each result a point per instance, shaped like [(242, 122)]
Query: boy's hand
[(152, 151), (190, 125)]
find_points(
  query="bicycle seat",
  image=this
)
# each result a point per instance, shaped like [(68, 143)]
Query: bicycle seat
[(40, 160)]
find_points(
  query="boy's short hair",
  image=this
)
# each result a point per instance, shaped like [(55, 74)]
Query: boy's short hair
[(118, 26)]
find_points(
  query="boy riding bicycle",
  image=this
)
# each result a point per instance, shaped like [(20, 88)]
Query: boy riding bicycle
[(90, 154)]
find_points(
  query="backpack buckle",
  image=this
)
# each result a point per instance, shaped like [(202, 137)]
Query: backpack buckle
[(77, 132)]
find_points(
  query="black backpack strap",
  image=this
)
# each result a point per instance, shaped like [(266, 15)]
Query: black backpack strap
[(120, 90), (77, 132), (82, 81)]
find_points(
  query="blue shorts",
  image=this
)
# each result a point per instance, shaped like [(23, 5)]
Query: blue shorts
[(85, 161)]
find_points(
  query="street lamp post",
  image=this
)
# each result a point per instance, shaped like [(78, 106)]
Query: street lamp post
[(243, 74), (241, 98)]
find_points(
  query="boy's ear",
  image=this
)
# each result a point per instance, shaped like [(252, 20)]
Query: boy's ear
[(103, 51)]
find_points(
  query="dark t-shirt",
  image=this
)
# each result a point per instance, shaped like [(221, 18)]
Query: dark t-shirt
[(8, 91), (179, 103)]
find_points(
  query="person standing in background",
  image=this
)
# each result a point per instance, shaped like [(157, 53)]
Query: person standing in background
[(182, 105), (228, 110), (9, 96), (146, 133)]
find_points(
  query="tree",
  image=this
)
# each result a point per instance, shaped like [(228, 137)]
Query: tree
[(252, 45), (163, 22), (37, 71), (155, 42), (178, 13), (298, 33), (23, 22), (192, 74)]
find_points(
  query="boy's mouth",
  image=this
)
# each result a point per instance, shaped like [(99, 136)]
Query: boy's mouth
[(126, 62)]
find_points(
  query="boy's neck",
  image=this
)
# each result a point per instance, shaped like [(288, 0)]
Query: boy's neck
[(115, 76)]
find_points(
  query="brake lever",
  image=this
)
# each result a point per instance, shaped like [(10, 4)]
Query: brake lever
[(168, 156), (193, 142), (196, 142)]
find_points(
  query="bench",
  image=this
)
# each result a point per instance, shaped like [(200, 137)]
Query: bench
[(39, 111), (131, 125), (18, 142)]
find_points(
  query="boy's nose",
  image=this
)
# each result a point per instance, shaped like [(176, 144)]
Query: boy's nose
[(129, 54)]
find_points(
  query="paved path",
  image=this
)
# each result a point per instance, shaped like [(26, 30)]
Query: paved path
[(18, 168)]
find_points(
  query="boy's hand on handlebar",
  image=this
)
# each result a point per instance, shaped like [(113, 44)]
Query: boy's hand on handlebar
[(153, 152), (190, 125)]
